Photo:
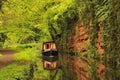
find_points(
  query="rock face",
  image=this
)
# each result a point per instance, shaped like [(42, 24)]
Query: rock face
[(81, 41), (99, 42), (82, 37), (78, 44)]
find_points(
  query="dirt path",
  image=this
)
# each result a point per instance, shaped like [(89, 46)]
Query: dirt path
[(6, 58)]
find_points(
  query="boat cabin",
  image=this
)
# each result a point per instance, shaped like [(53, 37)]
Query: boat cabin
[(49, 48)]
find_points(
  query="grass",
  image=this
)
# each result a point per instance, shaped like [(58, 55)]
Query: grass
[(26, 55), (14, 72), (31, 55), (18, 71)]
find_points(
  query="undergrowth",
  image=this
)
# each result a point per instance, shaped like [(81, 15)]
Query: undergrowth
[(26, 55), (14, 72)]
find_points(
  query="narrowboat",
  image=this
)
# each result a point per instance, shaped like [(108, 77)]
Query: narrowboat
[(49, 49), (49, 55)]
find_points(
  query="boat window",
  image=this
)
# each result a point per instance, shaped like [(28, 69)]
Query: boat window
[(47, 65), (47, 46)]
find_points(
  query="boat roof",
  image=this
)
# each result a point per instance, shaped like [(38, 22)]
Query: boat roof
[(49, 42)]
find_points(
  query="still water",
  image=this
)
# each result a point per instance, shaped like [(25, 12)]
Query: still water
[(77, 68)]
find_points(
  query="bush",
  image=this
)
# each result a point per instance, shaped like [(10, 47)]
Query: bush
[(26, 55), (1, 44), (14, 72)]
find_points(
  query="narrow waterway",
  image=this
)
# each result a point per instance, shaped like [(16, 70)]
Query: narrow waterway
[(76, 68)]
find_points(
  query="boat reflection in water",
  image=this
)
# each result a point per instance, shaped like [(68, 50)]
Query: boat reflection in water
[(49, 64), (49, 55)]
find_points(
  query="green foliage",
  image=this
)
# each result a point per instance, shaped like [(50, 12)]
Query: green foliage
[(21, 23), (14, 72), (26, 23), (26, 55), (34, 21), (1, 4), (111, 32), (97, 11), (60, 17), (41, 74)]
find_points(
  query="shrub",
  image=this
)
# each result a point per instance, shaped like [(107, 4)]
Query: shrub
[(26, 55), (14, 72)]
